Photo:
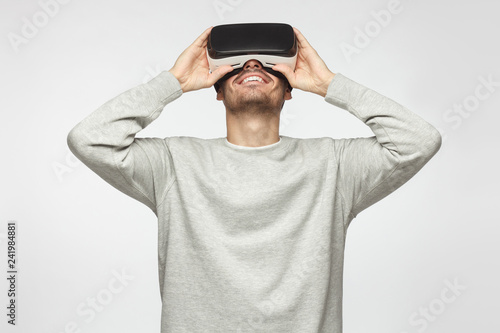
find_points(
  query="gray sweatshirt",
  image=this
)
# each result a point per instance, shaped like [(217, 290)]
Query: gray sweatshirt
[(251, 239)]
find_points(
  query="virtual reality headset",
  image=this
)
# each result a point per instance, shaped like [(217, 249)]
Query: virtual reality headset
[(235, 44)]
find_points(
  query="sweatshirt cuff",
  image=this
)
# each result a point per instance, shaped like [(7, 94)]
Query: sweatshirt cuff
[(167, 86), (344, 93)]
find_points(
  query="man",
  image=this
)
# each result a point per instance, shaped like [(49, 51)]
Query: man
[(252, 227)]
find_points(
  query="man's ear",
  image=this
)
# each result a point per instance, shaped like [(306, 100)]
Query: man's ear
[(220, 94), (288, 94)]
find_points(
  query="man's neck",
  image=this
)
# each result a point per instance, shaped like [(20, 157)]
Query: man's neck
[(252, 130)]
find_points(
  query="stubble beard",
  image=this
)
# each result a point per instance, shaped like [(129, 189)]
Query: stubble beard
[(254, 103)]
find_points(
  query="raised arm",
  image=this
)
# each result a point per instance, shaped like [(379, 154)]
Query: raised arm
[(371, 168), (368, 169), (105, 140)]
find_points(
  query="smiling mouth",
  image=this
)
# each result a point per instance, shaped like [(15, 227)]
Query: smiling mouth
[(255, 76), (253, 79)]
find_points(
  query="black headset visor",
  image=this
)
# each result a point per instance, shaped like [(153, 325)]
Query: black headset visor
[(235, 44)]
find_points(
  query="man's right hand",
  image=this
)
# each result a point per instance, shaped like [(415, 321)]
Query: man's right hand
[(192, 69), (311, 73)]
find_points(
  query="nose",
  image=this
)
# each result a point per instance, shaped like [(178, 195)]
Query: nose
[(252, 64)]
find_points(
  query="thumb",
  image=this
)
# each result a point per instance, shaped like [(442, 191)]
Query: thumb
[(219, 73), (287, 71)]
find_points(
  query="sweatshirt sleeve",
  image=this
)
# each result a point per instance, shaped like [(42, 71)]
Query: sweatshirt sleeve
[(105, 141), (371, 168)]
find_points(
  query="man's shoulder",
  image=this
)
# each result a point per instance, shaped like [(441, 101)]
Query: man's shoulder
[(183, 139), (184, 142), (321, 141)]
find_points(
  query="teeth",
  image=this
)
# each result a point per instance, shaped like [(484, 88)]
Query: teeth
[(252, 78)]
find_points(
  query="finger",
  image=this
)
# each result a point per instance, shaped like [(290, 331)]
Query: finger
[(287, 71), (219, 73), (301, 39), (202, 39)]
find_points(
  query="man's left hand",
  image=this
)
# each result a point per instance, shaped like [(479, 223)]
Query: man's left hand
[(311, 73)]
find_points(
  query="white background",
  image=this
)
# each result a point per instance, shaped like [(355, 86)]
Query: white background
[(75, 230)]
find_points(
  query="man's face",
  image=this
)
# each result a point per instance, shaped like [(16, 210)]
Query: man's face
[(254, 90)]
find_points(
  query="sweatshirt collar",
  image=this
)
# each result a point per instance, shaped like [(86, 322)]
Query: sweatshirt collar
[(271, 147)]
